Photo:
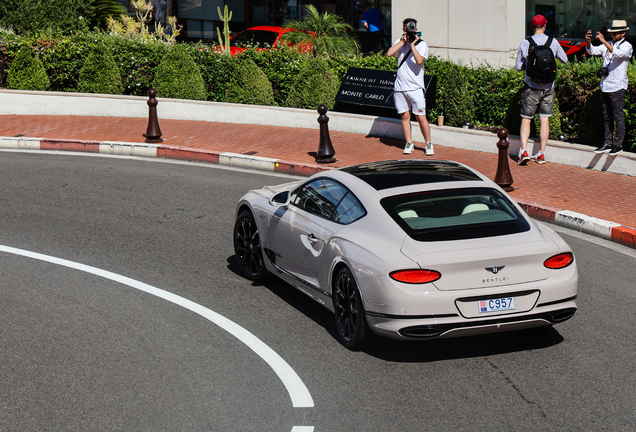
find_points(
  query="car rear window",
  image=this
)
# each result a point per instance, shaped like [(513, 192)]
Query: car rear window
[(455, 214)]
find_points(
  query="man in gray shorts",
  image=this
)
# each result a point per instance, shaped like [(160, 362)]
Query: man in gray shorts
[(536, 96)]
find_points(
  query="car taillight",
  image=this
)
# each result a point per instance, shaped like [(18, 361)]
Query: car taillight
[(415, 276), (559, 261)]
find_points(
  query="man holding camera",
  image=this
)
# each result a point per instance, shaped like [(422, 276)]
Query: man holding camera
[(538, 94), (411, 52), (616, 54)]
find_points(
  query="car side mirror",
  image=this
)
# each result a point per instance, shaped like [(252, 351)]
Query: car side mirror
[(281, 199)]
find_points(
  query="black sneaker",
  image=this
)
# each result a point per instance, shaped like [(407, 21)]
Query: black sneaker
[(615, 150), (604, 148)]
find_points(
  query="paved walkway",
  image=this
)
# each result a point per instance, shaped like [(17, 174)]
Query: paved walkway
[(544, 190)]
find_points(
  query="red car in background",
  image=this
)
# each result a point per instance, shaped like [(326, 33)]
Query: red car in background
[(573, 47), (262, 37)]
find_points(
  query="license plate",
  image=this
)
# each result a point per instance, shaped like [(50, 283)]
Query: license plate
[(495, 305)]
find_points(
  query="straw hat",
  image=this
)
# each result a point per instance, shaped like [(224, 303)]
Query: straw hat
[(618, 26)]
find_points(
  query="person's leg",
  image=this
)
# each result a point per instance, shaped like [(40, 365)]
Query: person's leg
[(529, 105), (419, 109), (618, 102), (406, 126), (544, 133), (608, 123), (402, 105), (524, 132), (424, 127), (546, 108)]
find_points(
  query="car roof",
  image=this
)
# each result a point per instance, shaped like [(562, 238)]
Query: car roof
[(397, 173)]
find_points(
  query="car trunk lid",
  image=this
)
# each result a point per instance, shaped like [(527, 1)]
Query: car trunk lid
[(482, 263)]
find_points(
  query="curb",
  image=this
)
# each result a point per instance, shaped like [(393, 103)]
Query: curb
[(611, 231)]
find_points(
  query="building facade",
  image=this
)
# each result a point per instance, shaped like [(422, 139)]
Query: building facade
[(491, 30)]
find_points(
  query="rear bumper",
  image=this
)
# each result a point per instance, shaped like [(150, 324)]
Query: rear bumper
[(447, 327)]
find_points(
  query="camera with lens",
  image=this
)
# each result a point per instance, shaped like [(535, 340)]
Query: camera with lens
[(410, 31), (602, 72)]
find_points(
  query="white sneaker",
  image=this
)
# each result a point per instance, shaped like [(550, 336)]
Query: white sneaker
[(408, 148), (429, 149)]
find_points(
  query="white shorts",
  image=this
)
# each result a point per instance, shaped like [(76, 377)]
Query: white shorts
[(413, 99)]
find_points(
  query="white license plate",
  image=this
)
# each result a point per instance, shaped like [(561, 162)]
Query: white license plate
[(494, 305)]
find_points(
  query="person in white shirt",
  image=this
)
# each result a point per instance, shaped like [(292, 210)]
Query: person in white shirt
[(536, 96), (409, 82), (616, 54)]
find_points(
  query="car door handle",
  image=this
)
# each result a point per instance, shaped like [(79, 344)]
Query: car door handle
[(312, 239)]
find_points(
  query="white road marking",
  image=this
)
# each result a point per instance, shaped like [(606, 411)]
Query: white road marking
[(298, 393), (302, 429)]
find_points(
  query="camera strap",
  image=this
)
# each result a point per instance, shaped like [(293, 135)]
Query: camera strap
[(408, 54), (611, 56)]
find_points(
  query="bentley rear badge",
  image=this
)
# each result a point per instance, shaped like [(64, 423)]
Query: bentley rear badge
[(495, 269)]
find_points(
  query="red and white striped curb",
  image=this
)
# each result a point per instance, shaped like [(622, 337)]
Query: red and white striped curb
[(566, 218)]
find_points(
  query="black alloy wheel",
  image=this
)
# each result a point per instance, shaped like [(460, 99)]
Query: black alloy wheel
[(350, 321), (247, 246)]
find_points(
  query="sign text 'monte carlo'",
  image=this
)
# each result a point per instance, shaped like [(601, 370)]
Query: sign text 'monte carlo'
[(374, 87)]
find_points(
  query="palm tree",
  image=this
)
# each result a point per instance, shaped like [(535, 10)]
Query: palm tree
[(326, 34)]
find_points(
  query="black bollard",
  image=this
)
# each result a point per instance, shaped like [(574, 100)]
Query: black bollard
[(503, 177), (325, 149), (153, 132)]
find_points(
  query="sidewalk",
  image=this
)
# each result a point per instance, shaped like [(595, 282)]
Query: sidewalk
[(596, 202)]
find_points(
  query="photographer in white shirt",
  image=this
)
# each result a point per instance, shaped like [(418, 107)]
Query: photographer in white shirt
[(616, 54)]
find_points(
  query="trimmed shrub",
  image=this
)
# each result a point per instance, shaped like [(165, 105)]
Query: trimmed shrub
[(493, 90), (281, 65), (26, 72), (178, 76), (100, 74), (249, 85), (315, 85), (216, 70)]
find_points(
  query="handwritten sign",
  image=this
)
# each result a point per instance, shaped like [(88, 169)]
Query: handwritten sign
[(374, 87)]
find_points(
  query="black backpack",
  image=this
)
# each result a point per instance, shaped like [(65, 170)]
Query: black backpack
[(541, 66)]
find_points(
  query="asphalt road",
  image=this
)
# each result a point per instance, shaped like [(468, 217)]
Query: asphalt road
[(83, 349)]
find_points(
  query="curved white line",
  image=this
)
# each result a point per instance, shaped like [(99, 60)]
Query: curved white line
[(298, 393)]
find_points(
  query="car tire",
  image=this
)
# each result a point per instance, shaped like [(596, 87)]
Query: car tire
[(247, 247), (351, 323)]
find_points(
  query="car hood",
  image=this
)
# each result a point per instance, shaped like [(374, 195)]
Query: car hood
[(485, 262)]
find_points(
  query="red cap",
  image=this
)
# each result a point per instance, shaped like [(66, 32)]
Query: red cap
[(538, 21)]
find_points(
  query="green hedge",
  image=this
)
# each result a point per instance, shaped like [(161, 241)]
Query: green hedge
[(481, 94), (100, 74), (178, 76), (249, 85), (316, 85), (28, 72)]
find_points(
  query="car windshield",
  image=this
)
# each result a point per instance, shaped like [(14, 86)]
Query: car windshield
[(455, 214), (252, 38)]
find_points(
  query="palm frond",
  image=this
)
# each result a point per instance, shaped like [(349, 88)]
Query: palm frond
[(327, 34)]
